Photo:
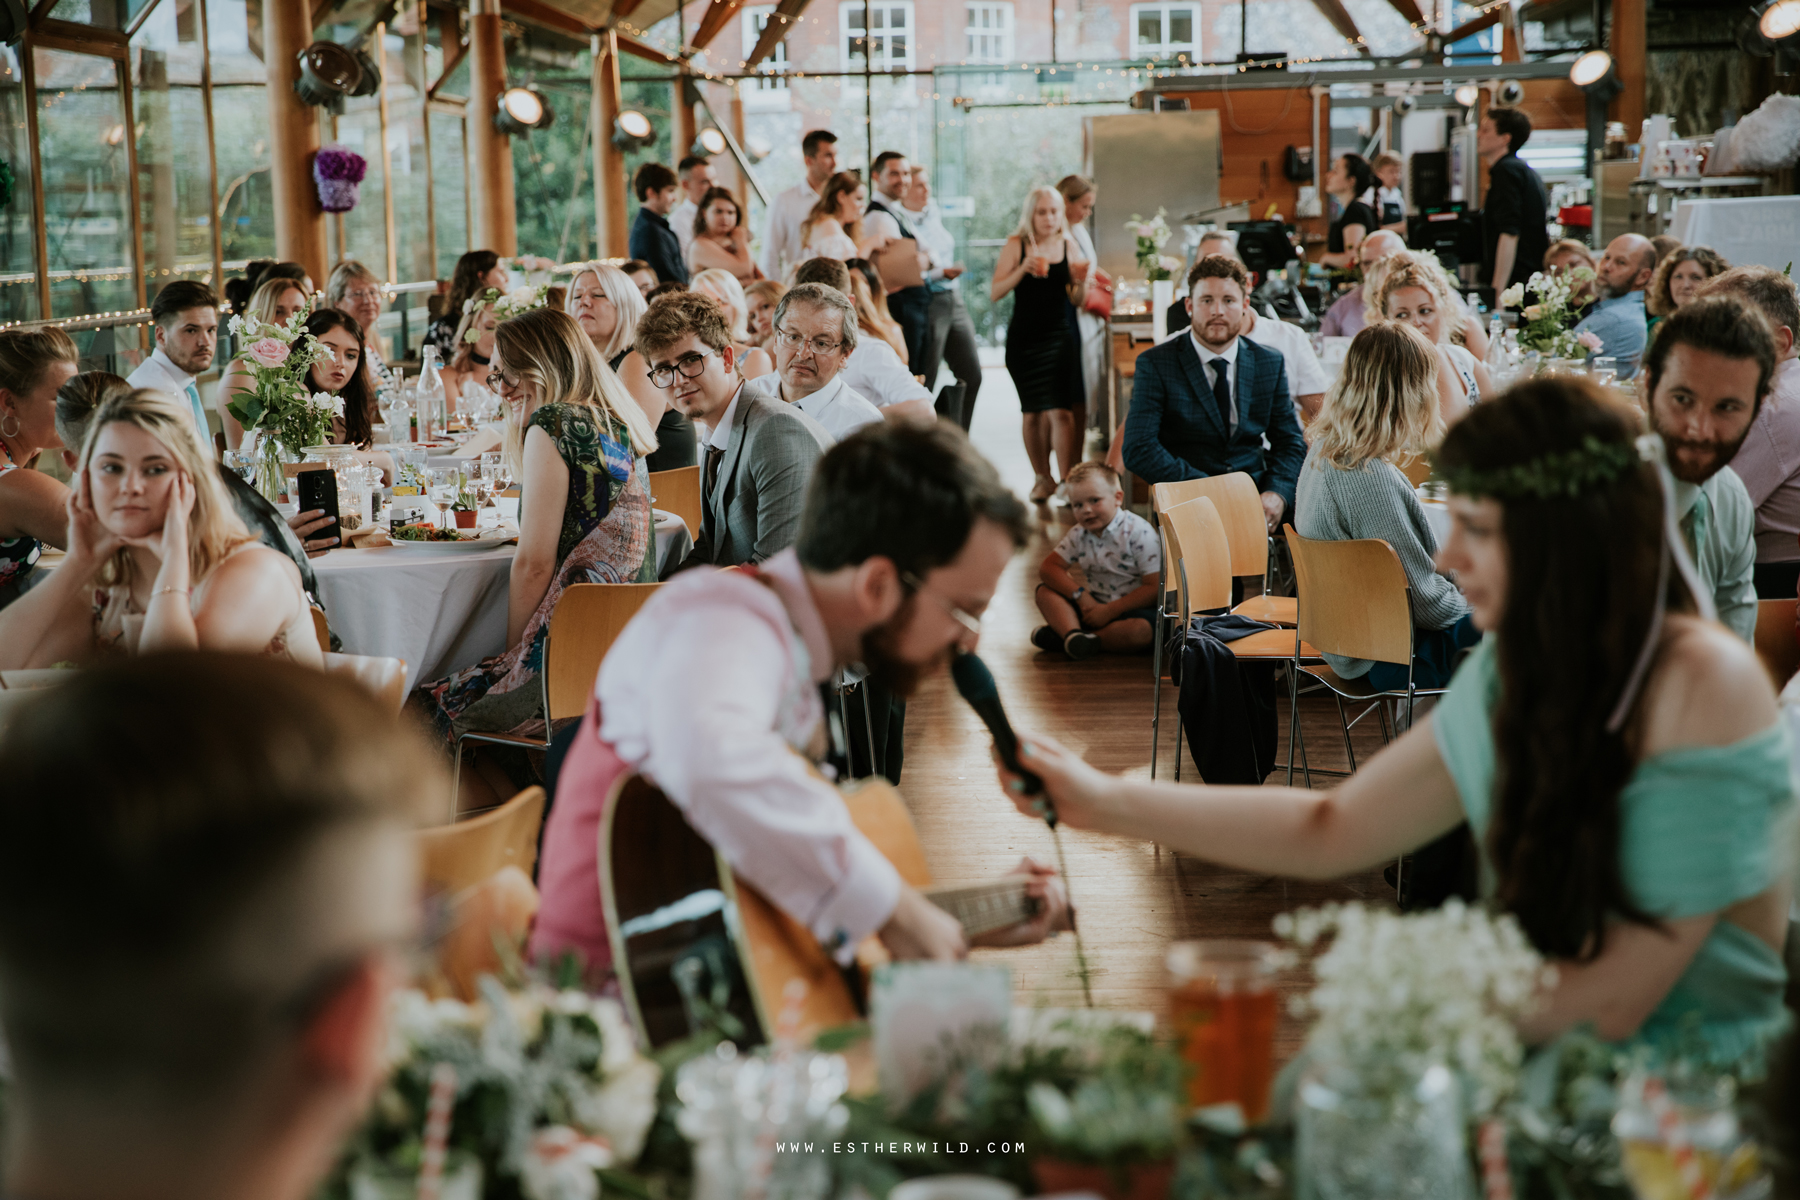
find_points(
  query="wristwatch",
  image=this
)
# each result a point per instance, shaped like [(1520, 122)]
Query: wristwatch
[(1076, 594)]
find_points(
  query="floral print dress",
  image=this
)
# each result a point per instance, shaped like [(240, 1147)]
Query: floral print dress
[(606, 537), (17, 555)]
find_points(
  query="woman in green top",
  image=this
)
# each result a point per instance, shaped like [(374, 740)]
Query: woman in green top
[(1628, 813)]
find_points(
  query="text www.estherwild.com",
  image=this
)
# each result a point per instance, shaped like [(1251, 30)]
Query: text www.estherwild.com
[(899, 1148)]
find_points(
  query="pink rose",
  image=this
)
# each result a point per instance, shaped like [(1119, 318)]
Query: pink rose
[(1590, 339), (267, 352)]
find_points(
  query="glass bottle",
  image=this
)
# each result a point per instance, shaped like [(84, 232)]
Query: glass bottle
[(430, 394)]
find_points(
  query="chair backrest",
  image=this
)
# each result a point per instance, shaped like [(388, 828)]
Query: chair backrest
[(1777, 640), (587, 619), (386, 677), (1240, 508), (1417, 469), (458, 856), (678, 491), (1353, 598), (321, 629), (1200, 556)]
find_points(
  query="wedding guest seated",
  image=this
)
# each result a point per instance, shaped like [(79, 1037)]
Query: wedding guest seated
[(33, 364), (1709, 371), (1120, 558), (1203, 405), (354, 289), (471, 361), (584, 517), (1769, 460), (720, 239), (639, 272), (815, 333), (713, 691), (274, 302), (184, 318), (1383, 406), (874, 369), (869, 294), (1346, 316), (475, 273), (1565, 255), (834, 227), (608, 306), (1409, 294), (201, 934), (759, 453), (762, 297), (342, 375), (1618, 318), (1680, 276), (1629, 817), (157, 557), (671, 287), (723, 289)]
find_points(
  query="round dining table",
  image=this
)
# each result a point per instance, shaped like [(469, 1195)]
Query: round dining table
[(439, 610)]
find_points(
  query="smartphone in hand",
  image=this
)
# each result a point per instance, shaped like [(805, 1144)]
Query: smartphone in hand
[(318, 489)]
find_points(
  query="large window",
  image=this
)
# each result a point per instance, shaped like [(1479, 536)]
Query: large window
[(175, 186), (1165, 31), (770, 92), (18, 228), (990, 32), (240, 131), (888, 44), (82, 127)]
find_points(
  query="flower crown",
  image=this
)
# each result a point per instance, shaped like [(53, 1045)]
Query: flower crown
[(1559, 475), (504, 304)]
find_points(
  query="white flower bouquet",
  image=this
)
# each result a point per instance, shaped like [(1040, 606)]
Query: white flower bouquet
[(1151, 236), (504, 305), (278, 408), (1549, 325), (549, 1089)]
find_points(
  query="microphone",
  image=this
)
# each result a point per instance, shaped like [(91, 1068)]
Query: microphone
[(976, 683)]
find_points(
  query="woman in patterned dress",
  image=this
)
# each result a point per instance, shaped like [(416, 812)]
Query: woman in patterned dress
[(584, 517)]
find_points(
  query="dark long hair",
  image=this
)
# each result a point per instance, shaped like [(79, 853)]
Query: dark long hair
[(359, 390), (706, 202), (466, 283), (1581, 587), (1360, 173)]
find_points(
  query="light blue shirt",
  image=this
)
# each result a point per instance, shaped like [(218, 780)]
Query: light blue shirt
[(1622, 327), (1719, 523)]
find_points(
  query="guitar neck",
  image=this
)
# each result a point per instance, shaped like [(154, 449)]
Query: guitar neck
[(983, 908)]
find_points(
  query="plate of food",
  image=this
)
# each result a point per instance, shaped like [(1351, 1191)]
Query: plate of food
[(434, 538)]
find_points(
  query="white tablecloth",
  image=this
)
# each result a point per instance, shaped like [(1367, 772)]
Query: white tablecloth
[(1437, 515), (441, 611), (1747, 230)]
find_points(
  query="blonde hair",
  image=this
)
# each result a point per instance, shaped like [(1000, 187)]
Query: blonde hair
[(214, 528), (616, 286), (26, 355), (730, 298), (1023, 232), (1384, 402), (1411, 274), (262, 300), (873, 315), (547, 347), (343, 277)]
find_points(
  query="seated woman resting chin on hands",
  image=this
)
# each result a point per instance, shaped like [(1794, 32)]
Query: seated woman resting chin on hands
[(1630, 819), (157, 558)]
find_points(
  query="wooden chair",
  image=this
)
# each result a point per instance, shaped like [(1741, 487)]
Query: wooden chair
[(1200, 558), (386, 677), (1416, 469), (587, 618), (1354, 601), (321, 629), (1246, 533), (678, 491), (466, 853), (1777, 642)]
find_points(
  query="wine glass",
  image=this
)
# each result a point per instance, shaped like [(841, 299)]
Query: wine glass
[(443, 492), (493, 469)]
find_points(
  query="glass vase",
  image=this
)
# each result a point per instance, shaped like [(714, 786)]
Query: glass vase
[(1353, 1145), (271, 463)]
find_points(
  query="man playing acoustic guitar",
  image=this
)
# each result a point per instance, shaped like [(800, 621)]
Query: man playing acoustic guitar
[(714, 686)]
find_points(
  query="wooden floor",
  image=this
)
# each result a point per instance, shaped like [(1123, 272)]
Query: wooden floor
[(1134, 899)]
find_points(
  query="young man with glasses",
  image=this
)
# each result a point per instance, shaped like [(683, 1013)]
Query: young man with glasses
[(714, 692), (757, 454), (815, 334)]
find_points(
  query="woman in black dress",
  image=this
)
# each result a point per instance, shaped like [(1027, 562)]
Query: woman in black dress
[(1349, 177), (1042, 263)]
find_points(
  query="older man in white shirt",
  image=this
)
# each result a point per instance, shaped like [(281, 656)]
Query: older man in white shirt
[(781, 241), (874, 370), (185, 319), (815, 333)]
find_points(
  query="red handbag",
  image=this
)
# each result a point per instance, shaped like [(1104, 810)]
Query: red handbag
[(1099, 299)]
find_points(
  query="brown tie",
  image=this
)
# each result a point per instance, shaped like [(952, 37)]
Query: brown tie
[(713, 457)]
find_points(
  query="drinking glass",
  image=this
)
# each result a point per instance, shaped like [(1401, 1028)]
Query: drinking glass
[(493, 468), (1603, 370), (243, 462), (443, 492), (1222, 1006)]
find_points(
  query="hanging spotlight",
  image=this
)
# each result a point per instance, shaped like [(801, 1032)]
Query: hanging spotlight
[(328, 73), (712, 142), (1593, 73), (521, 110), (1468, 94), (1404, 105), (633, 131), (1770, 25), (1780, 20), (1510, 93), (371, 73)]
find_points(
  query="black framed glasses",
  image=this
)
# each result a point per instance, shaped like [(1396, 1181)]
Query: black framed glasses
[(500, 381), (688, 366), (799, 343)]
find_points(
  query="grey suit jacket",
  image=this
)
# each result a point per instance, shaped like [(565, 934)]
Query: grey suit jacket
[(754, 510)]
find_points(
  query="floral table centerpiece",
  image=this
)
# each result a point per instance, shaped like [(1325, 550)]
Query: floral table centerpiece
[(1151, 236), (277, 408), (1549, 325)]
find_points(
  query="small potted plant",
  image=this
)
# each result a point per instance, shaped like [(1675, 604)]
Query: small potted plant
[(465, 507), (1117, 1127)]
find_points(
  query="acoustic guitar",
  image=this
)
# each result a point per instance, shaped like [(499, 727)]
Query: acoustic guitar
[(693, 942)]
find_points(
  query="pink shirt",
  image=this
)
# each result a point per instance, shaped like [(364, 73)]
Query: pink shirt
[(1769, 464), (712, 692)]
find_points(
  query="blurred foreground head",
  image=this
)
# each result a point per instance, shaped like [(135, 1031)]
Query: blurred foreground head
[(207, 879)]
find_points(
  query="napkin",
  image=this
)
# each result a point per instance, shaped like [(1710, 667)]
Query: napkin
[(366, 538)]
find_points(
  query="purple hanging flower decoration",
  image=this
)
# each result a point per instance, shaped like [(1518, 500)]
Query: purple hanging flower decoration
[(337, 172)]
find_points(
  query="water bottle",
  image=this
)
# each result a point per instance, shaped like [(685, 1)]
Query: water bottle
[(1499, 365), (431, 394)]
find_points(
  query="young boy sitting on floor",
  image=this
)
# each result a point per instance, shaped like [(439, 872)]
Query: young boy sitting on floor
[(1114, 609)]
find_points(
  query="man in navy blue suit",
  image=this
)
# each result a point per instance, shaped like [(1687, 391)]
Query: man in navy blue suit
[(1204, 404)]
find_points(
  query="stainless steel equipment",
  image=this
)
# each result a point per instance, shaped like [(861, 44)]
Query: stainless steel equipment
[(1143, 161)]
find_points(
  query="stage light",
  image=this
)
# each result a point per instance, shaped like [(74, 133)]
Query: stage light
[(521, 110), (710, 142), (1404, 105), (328, 73), (1780, 20), (632, 131), (371, 73), (1593, 73), (1468, 94), (1510, 93)]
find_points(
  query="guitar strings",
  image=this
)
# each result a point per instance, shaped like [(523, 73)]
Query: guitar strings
[(1082, 970)]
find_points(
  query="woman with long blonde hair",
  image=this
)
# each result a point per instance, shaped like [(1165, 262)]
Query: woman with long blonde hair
[(1409, 291), (158, 559), (869, 294), (574, 435), (833, 229), (272, 303), (1043, 264), (722, 288), (607, 304), (1382, 407)]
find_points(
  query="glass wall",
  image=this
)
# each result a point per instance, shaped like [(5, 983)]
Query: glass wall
[(240, 130), (87, 183), (414, 221), (175, 185), (449, 188), (18, 227)]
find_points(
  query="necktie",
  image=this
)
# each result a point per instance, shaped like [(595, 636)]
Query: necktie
[(193, 395), (1222, 393)]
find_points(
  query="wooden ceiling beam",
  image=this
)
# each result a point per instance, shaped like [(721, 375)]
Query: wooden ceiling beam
[(718, 14), (540, 13), (1471, 28), (1341, 20), (777, 29), (630, 45), (1411, 11)]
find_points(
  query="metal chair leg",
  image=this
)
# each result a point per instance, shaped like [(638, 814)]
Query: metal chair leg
[(1293, 720), (875, 768), (1156, 657), (1344, 724), (1178, 746), (456, 753)]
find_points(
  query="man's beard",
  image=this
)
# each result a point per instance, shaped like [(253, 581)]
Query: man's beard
[(1609, 291), (887, 669), (1721, 453)]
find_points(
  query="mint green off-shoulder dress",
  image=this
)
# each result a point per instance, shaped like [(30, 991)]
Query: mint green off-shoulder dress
[(1703, 827)]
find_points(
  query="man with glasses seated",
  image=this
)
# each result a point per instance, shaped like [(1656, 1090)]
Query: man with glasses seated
[(758, 453), (815, 334), (872, 367)]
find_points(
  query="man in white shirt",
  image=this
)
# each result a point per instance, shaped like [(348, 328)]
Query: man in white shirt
[(185, 316), (696, 175), (815, 331), (781, 241), (874, 370), (949, 333), (884, 221)]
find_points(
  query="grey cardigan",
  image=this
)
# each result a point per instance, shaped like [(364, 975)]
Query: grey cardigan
[(1375, 500)]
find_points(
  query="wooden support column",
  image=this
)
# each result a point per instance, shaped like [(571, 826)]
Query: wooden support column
[(293, 140), (687, 125), (491, 205), (1629, 46), (736, 117), (612, 236)]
